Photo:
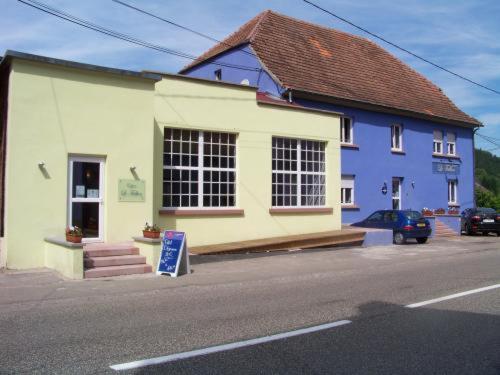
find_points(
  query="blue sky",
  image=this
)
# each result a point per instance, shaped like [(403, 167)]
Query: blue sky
[(463, 36)]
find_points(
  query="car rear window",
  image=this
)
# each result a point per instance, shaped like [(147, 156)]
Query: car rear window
[(413, 215), (484, 210)]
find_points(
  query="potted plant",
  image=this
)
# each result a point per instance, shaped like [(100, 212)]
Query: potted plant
[(74, 234), (151, 231), (427, 212), (439, 211), (453, 211)]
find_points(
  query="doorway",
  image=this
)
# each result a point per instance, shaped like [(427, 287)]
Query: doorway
[(396, 193), (86, 192)]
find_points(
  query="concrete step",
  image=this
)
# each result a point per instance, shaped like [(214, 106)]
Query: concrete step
[(111, 251), (117, 260), (117, 270), (105, 245)]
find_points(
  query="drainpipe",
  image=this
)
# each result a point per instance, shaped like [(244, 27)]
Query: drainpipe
[(290, 98), (474, 166)]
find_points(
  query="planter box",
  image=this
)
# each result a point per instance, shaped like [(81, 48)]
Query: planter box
[(149, 234), (74, 239)]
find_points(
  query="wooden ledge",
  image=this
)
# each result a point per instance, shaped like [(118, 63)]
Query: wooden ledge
[(397, 152), (207, 212), (350, 207), (350, 146), (300, 210)]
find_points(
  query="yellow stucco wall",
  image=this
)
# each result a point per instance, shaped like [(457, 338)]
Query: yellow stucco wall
[(55, 112), (182, 103)]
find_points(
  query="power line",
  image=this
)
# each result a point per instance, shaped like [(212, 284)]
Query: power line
[(488, 140), (179, 26), (400, 48), (81, 22), (487, 136)]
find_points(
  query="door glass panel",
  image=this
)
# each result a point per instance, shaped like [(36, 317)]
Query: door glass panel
[(85, 180), (396, 193), (86, 216)]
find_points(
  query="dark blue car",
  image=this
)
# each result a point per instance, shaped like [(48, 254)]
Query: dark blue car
[(404, 224)]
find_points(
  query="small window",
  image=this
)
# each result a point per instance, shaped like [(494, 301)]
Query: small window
[(218, 75), (347, 190), (397, 137), (451, 142), (438, 142), (452, 191), (346, 130)]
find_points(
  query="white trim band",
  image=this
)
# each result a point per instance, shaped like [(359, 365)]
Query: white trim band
[(225, 347), (451, 296)]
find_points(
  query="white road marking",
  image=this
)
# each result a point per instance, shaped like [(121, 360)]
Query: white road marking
[(451, 296), (225, 347)]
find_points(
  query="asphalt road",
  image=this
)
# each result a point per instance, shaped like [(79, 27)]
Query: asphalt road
[(49, 325)]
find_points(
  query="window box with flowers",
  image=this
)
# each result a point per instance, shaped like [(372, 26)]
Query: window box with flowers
[(453, 211), (439, 211), (151, 231), (427, 212), (74, 234)]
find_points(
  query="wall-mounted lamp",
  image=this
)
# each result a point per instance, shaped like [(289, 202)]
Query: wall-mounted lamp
[(132, 168), (41, 164), (384, 188), (413, 184)]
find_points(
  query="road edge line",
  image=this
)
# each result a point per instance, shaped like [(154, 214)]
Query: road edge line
[(225, 347), (452, 296)]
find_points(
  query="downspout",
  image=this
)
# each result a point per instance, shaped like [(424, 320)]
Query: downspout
[(474, 165)]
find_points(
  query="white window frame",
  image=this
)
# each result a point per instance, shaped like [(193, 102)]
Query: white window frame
[(451, 144), (452, 192), (346, 121), (399, 181), (347, 182), (201, 168), (437, 142), (300, 174), (394, 138)]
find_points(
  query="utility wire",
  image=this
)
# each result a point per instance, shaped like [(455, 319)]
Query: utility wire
[(488, 140), (400, 48), (81, 22), (179, 26), (487, 136)]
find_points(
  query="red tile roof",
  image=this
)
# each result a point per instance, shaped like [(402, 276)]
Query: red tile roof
[(314, 59)]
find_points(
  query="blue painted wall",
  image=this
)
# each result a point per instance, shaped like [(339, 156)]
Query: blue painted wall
[(242, 56), (373, 164)]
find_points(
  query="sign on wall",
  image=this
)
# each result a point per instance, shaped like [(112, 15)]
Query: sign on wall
[(174, 254), (445, 168), (131, 190)]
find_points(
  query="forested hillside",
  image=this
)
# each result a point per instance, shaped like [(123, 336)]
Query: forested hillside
[(488, 177)]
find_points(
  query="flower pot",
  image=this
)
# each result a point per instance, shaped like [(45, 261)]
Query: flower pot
[(150, 234), (427, 213), (73, 238)]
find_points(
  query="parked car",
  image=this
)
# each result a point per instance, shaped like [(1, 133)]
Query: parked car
[(480, 219), (404, 224)]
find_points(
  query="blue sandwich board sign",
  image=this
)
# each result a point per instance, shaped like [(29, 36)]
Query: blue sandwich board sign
[(173, 253)]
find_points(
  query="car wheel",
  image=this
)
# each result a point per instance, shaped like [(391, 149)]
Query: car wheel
[(467, 230), (485, 233), (399, 239), (422, 240)]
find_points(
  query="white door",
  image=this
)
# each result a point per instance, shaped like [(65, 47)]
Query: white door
[(86, 193), (396, 193)]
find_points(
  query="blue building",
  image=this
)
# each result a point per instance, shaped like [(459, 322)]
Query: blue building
[(404, 143)]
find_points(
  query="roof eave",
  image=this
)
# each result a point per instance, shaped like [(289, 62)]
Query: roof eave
[(306, 94)]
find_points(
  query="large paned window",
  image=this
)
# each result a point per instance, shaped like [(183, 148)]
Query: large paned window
[(451, 142), (396, 137), (299, 178), (199, 169), (347, 190), (346, 130), (452, 191), (438, 142)]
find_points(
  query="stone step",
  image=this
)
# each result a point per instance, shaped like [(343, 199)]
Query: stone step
[(117, 270), (117, 260), (111, 251), (106, 245)]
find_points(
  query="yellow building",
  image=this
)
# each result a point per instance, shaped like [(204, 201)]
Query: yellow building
[(109, 150)]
